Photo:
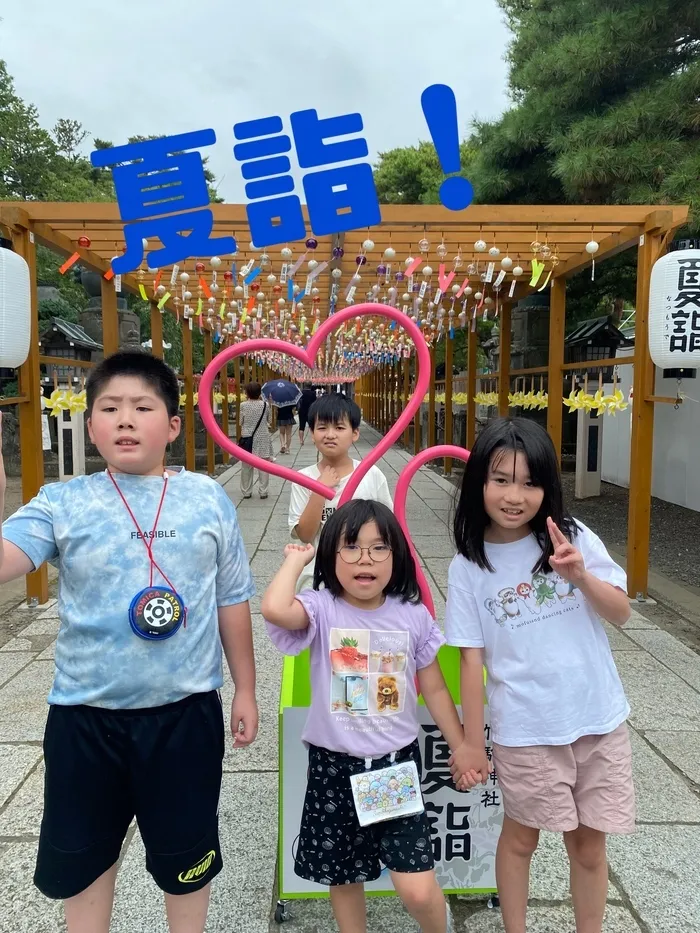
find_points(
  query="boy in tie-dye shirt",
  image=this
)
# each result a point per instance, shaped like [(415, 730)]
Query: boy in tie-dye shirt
[(153, 583)]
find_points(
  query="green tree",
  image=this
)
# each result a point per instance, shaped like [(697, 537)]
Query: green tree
[(412, 175), (605, 106)]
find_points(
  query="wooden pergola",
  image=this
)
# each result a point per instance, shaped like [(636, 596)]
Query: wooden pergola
[(567, 229)]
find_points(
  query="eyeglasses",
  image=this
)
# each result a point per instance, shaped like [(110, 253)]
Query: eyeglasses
[(352, 553)]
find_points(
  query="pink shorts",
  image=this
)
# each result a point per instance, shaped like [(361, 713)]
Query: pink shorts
[(558, 787)]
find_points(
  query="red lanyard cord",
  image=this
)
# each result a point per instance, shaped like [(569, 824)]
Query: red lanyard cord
[(147, 545)]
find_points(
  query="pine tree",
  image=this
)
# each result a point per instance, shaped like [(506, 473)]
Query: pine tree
[(606, 106)]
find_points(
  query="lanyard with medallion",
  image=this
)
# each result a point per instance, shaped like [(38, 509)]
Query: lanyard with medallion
[(156, 612)]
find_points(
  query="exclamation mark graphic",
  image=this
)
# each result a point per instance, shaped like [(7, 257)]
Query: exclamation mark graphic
[(440, 109)]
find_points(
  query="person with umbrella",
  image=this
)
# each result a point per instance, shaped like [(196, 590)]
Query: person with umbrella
[(308, 397), (284, 396)]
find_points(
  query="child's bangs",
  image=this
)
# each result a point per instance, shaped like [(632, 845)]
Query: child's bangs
[(363, 513)]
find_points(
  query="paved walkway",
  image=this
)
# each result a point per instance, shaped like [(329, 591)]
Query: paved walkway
[(653, 874)]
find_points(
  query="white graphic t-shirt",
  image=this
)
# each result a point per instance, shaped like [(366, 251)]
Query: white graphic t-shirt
[(373, 486), (551, 674)]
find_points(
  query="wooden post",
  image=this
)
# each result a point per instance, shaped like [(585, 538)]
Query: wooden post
[(211, 463), (642, 445), (394, 388), (237, 376), (449, 350), (157, 331), (110, 317), (30, 445), (406, 393), (246, 370), (472, 347), (223, 382), (555, 373), (504, 358), (431, 399), (417, 424), (189, 392)]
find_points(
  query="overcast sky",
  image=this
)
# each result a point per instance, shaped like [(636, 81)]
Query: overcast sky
[(172, 66)]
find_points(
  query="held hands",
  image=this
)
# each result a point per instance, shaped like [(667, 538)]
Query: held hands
[(567, 560), (302, 554), (469, 766)]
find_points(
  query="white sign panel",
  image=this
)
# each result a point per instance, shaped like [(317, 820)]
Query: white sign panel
[(465, 826)]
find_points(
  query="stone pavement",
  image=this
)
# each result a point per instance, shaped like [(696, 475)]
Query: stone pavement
[(653, 874)]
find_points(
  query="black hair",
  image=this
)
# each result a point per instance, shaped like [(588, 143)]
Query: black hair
[(252, 390), (334, 409), (346, 523), (470, 520), (152, 370)]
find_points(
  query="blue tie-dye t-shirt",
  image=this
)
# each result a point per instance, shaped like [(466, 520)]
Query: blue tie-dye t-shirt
[(83, 528)]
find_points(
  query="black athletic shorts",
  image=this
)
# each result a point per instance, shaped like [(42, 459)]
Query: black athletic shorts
[(105, 767), (333, 848)]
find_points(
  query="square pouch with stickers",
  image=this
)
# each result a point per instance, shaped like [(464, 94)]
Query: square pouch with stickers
[(387, 793)]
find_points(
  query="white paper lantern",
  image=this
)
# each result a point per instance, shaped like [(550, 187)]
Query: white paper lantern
[(674, 310), (15, 310)]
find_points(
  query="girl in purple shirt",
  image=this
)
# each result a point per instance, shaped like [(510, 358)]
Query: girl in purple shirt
[(373, 648)]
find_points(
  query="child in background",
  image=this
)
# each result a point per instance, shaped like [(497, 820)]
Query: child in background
[(334, 422), (362, 727), (526, 593), (153, 582)]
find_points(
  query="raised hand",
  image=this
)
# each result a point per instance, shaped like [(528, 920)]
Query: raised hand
[(567, 560), (304, 553), (329, 477)]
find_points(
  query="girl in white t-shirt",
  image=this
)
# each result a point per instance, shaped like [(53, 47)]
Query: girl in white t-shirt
[(526, 594)]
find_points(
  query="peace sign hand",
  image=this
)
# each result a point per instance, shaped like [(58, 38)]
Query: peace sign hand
[(567, 560)]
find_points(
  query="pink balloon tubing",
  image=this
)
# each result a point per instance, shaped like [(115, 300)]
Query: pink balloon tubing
[(405, 477), (307, 356)]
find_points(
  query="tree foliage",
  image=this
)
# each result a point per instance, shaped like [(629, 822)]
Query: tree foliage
[(41, 165), (605, 110)]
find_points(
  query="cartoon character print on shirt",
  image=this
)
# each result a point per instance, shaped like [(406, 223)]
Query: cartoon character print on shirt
[(563, 588), (523, 603), (544, 590), (496, 609), (527, 596)]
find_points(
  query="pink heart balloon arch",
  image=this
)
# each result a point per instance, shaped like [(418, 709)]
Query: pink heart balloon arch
[(402, 486), (307, 356)]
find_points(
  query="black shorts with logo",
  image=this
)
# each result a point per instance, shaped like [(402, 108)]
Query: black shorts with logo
[(105, 767), (333, 848)]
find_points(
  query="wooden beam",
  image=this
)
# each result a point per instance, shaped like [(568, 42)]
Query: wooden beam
[(65, 361), (30, 443), (418, 423), (211, 462), (505, 330), (110, 317), (449, 353), (642, 444), (555, 378), (414, 215), (618, 242), (223, 382), (190, 458), (157, 348), (472, 347)]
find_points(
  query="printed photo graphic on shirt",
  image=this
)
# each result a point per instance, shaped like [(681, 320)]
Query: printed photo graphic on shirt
[(350, 694), (326, 514), (388, 652), (387, 693), (542, 599), (349, 651)]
